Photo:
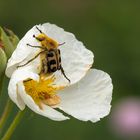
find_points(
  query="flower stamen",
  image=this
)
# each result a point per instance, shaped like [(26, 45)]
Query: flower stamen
[(43, 91)]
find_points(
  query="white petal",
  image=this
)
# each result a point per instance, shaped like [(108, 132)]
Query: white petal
[(90, 98), (17, 76), (22, 53), (76, 59), (47, 111)]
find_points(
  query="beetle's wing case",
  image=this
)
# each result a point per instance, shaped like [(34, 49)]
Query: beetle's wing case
[(59, 59), (44, 62), (52, 61)]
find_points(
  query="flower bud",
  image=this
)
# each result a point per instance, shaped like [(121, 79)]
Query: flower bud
[(12, 37), (7, 44), (3, 60)]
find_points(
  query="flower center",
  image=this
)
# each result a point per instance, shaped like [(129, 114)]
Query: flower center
[(43, 91)]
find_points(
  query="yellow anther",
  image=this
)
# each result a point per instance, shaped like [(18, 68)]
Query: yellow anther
[(43, 91)]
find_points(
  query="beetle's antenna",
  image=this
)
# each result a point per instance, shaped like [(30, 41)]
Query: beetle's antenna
[(61, 44), (39, 30)]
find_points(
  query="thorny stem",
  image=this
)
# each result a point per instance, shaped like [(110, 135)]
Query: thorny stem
[(13, 125), (5, 114)]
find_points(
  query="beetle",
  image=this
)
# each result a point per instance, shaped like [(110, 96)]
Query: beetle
[(50, 55)]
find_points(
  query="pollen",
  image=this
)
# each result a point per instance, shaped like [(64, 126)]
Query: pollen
[(43, 92)]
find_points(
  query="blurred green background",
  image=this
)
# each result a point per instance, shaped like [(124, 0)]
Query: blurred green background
[(110, 28)]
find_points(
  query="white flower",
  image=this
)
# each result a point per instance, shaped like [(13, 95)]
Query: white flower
[(86, 97)]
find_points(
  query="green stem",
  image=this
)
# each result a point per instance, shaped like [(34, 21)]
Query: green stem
[(5, 114), (13, 125), (1, 83)]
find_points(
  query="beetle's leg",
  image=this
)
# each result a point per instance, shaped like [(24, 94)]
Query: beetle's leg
[(36, 46), (31, 59), (29, 79), (61, 44), (62, 70)]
